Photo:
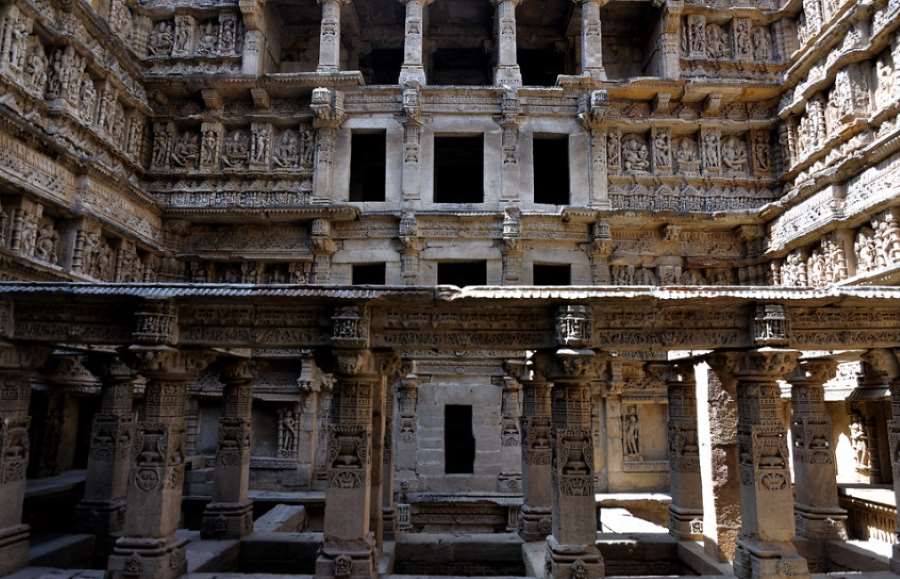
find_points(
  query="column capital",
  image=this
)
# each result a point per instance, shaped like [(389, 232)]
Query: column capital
[(238, 371), (764, 364), (813, 372), (883, 364), (165, 363), (109, 368), (672, 372), (569, 365)]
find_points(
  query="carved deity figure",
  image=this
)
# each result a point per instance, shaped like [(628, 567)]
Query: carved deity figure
[(734, 153), (182, 39), (859, 441), (227, 36), (716, 42), (697, 28), (259, 146), (743, 45), (209, 34), (287, 151), (710, 151), (45, 246), (161, 39), (186, 151), (236, 150), (661, 149), (631, 442), (88, 99), (36, 68), (18, 37), (635, 155), (866, 252), (762, 44), (209, 147)]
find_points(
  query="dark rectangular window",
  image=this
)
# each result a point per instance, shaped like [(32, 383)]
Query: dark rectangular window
[(462, 273), (368, 274), (540, 67), (551, 169), (459, 169), (552, 274), (367, 166), (459, 442)]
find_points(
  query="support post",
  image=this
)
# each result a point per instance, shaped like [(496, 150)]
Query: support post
[(149, 548), (17, 365), (765, 549), (591, 39), (537, 510), (330, 36), (102, 510), (230, 513), (349, 549), (413, 69), (819, 518), (507, 72), (686, 509)]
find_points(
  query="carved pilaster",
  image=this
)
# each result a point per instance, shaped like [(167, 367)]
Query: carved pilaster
[(230, 513), (592, 114), (330, 35), (409, 254), (328, 106), (510, 120), (537, 510), (412, 121), (413, 71), (510, 249), (148, 548), (591, 39)]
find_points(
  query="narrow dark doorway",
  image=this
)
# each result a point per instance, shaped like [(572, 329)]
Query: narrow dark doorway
[(459, 169), (551, 169), (552, 274), (368, 274), (459, 442), (367, 166), (462, 273)]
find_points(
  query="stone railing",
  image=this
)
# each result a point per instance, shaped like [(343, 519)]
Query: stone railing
[(869, 521)]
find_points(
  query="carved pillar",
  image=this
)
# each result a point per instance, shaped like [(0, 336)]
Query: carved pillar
[(510, 119), (412, 136), (149, 548), (407, 400), (230, 513), (102, 510), (884, 365), (413, 70), (717, 434), (16, 371), (818, 516), (592, 114), (571, 550), (349, 549), (409, 254), (591, 39), (537, 511), (323, 247), (765, 548), (670, 40), (511, 251), (686, 509), (330, 35), (387, 469), (507, 72)]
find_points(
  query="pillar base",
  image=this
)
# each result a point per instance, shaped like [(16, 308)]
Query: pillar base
[(140, 558), (412, 75), (821, 524), (227, 520), (535, 523), (510, 76), (347, 560), (13, 548), (761, 560), (685, 524), (596, 74), (101, 517), (572, 561)]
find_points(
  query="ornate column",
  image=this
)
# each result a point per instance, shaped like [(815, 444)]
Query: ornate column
[(818, 516), (349, 549), (407, 401), (102, 510), (571, 550), (686, 509), (387, 365), (328, 107), (17, 365), (230, 513), (413, 70), (330, 35), (388, 521), (537, 510), (885, 364), (765, 548), (149, 548), (591, 39), (507, 72)]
